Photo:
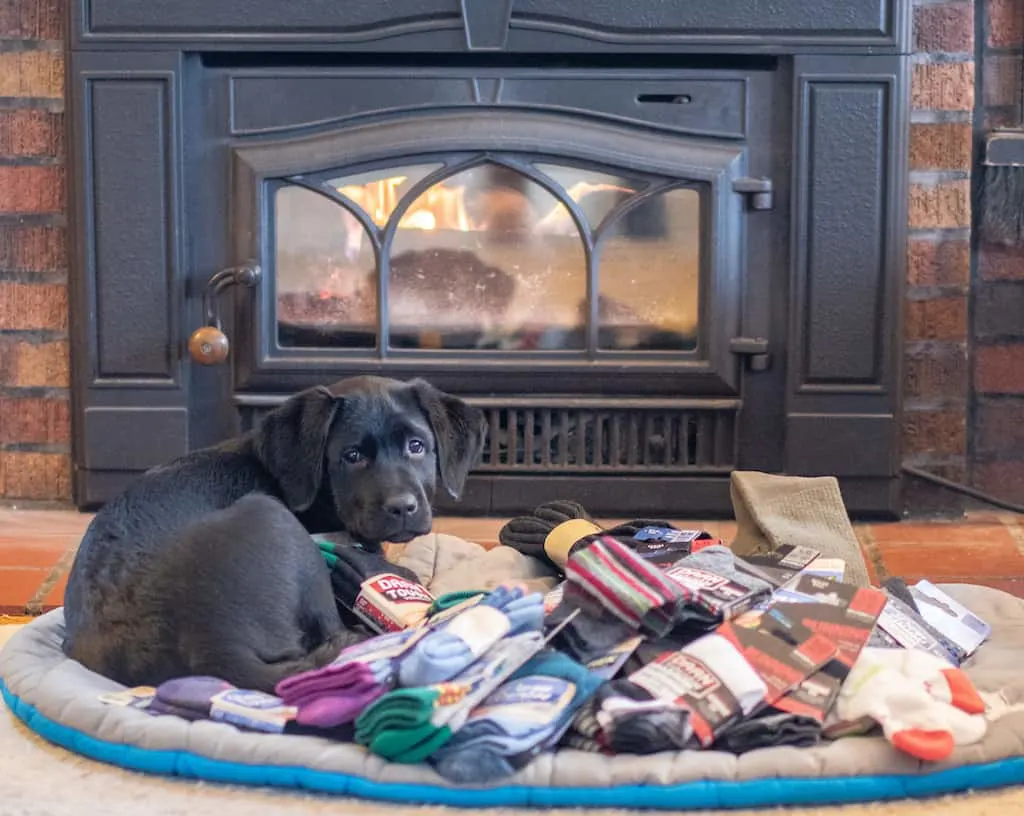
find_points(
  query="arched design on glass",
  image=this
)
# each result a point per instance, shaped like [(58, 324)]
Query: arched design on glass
[(649, 261), (325, 264), (495, 253)]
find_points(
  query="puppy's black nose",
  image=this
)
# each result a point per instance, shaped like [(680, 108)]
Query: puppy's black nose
[(401, 506)]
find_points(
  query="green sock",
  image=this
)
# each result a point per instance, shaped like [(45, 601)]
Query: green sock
[(398, 726), (450, 599)]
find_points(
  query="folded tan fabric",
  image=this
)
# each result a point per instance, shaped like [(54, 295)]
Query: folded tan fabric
[(808, 512)]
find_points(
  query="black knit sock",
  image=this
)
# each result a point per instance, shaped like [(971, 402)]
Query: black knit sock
[(768, 730)]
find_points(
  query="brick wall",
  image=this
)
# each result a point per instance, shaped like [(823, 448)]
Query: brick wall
[(34, 421), (998, 376), (936, 381)]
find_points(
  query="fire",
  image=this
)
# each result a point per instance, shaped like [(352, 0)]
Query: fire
[(440, 207), (443, 206)]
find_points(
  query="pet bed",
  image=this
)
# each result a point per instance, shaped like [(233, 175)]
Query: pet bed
[(58, 698)]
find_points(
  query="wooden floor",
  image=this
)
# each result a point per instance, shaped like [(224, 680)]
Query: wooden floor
[(38, 546)]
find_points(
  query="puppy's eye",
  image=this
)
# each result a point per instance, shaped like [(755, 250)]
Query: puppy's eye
[(353, 456), (416, 447)]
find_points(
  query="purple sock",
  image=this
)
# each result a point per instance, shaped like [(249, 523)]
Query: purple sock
[(338, 693), (190, 694), (333, 710)]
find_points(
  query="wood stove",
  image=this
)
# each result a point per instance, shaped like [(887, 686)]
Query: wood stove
[(655, 241)]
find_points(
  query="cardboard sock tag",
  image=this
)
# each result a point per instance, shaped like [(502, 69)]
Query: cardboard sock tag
[(390, 603), (715, 594), (251, 710), (780, 566)]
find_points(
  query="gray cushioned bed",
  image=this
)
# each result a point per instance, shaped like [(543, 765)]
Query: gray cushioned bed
[(58, 698)]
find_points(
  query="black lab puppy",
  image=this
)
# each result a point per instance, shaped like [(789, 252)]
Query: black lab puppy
[(205, 565)]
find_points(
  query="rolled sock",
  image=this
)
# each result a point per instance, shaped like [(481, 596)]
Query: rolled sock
[(682, 697), (190, 694), (408, 725), (156, 706), (626, 585), (925, 707), (336, 694), (445, 652), (526, 714), (771, 729)]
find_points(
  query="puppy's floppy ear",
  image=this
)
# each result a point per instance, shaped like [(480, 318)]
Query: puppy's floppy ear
[(291, 443), (459, 431)]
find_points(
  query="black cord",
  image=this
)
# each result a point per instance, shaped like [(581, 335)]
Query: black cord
[(965, 490)]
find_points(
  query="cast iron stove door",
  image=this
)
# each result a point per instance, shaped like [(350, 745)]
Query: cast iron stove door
[(581, 280)]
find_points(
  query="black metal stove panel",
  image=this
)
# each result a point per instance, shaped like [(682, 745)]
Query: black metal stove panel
[(799, 366)]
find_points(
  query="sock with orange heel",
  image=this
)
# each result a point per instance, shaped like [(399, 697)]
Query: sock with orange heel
[(925, 706)]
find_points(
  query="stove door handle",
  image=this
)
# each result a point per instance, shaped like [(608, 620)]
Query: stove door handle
[(208, 344)]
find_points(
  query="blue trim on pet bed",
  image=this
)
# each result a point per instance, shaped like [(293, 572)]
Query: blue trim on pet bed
[(703, 795)]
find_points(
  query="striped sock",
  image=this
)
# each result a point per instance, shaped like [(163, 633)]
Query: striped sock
[(626, 585)]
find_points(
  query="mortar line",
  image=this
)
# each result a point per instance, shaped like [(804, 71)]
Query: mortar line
[(57, 571)]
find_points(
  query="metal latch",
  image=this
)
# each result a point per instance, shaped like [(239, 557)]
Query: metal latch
[(758, 190), (754, 349)]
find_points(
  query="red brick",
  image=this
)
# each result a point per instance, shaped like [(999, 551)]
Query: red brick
[(1005, 23), (30, 132), (944, 27), (946, 86), (937, 373), (32, 249), (1005, 480), (32, 19), (24, 364), (943, 318), (940, 146), (1000, 426), (946, 205), (28, 420), (939, 433), (30, 306), (999, 369), (32, 73), (932, 262), (35, 476), (31, 190)]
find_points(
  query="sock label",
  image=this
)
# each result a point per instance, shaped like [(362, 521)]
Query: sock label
[(899, 624), (527, 703), (137, 697), (458, 697), (390, 603), (718, 595), (687, 681), (382, 647), (779, 566), (251, 710), (951, 618), (607, 665), (783, 653), (479, 628), (663, 545)]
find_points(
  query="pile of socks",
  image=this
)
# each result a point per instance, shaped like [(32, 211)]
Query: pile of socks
[(633, 653)]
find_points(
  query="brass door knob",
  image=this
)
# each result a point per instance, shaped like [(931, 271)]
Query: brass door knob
[(209, 346)]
